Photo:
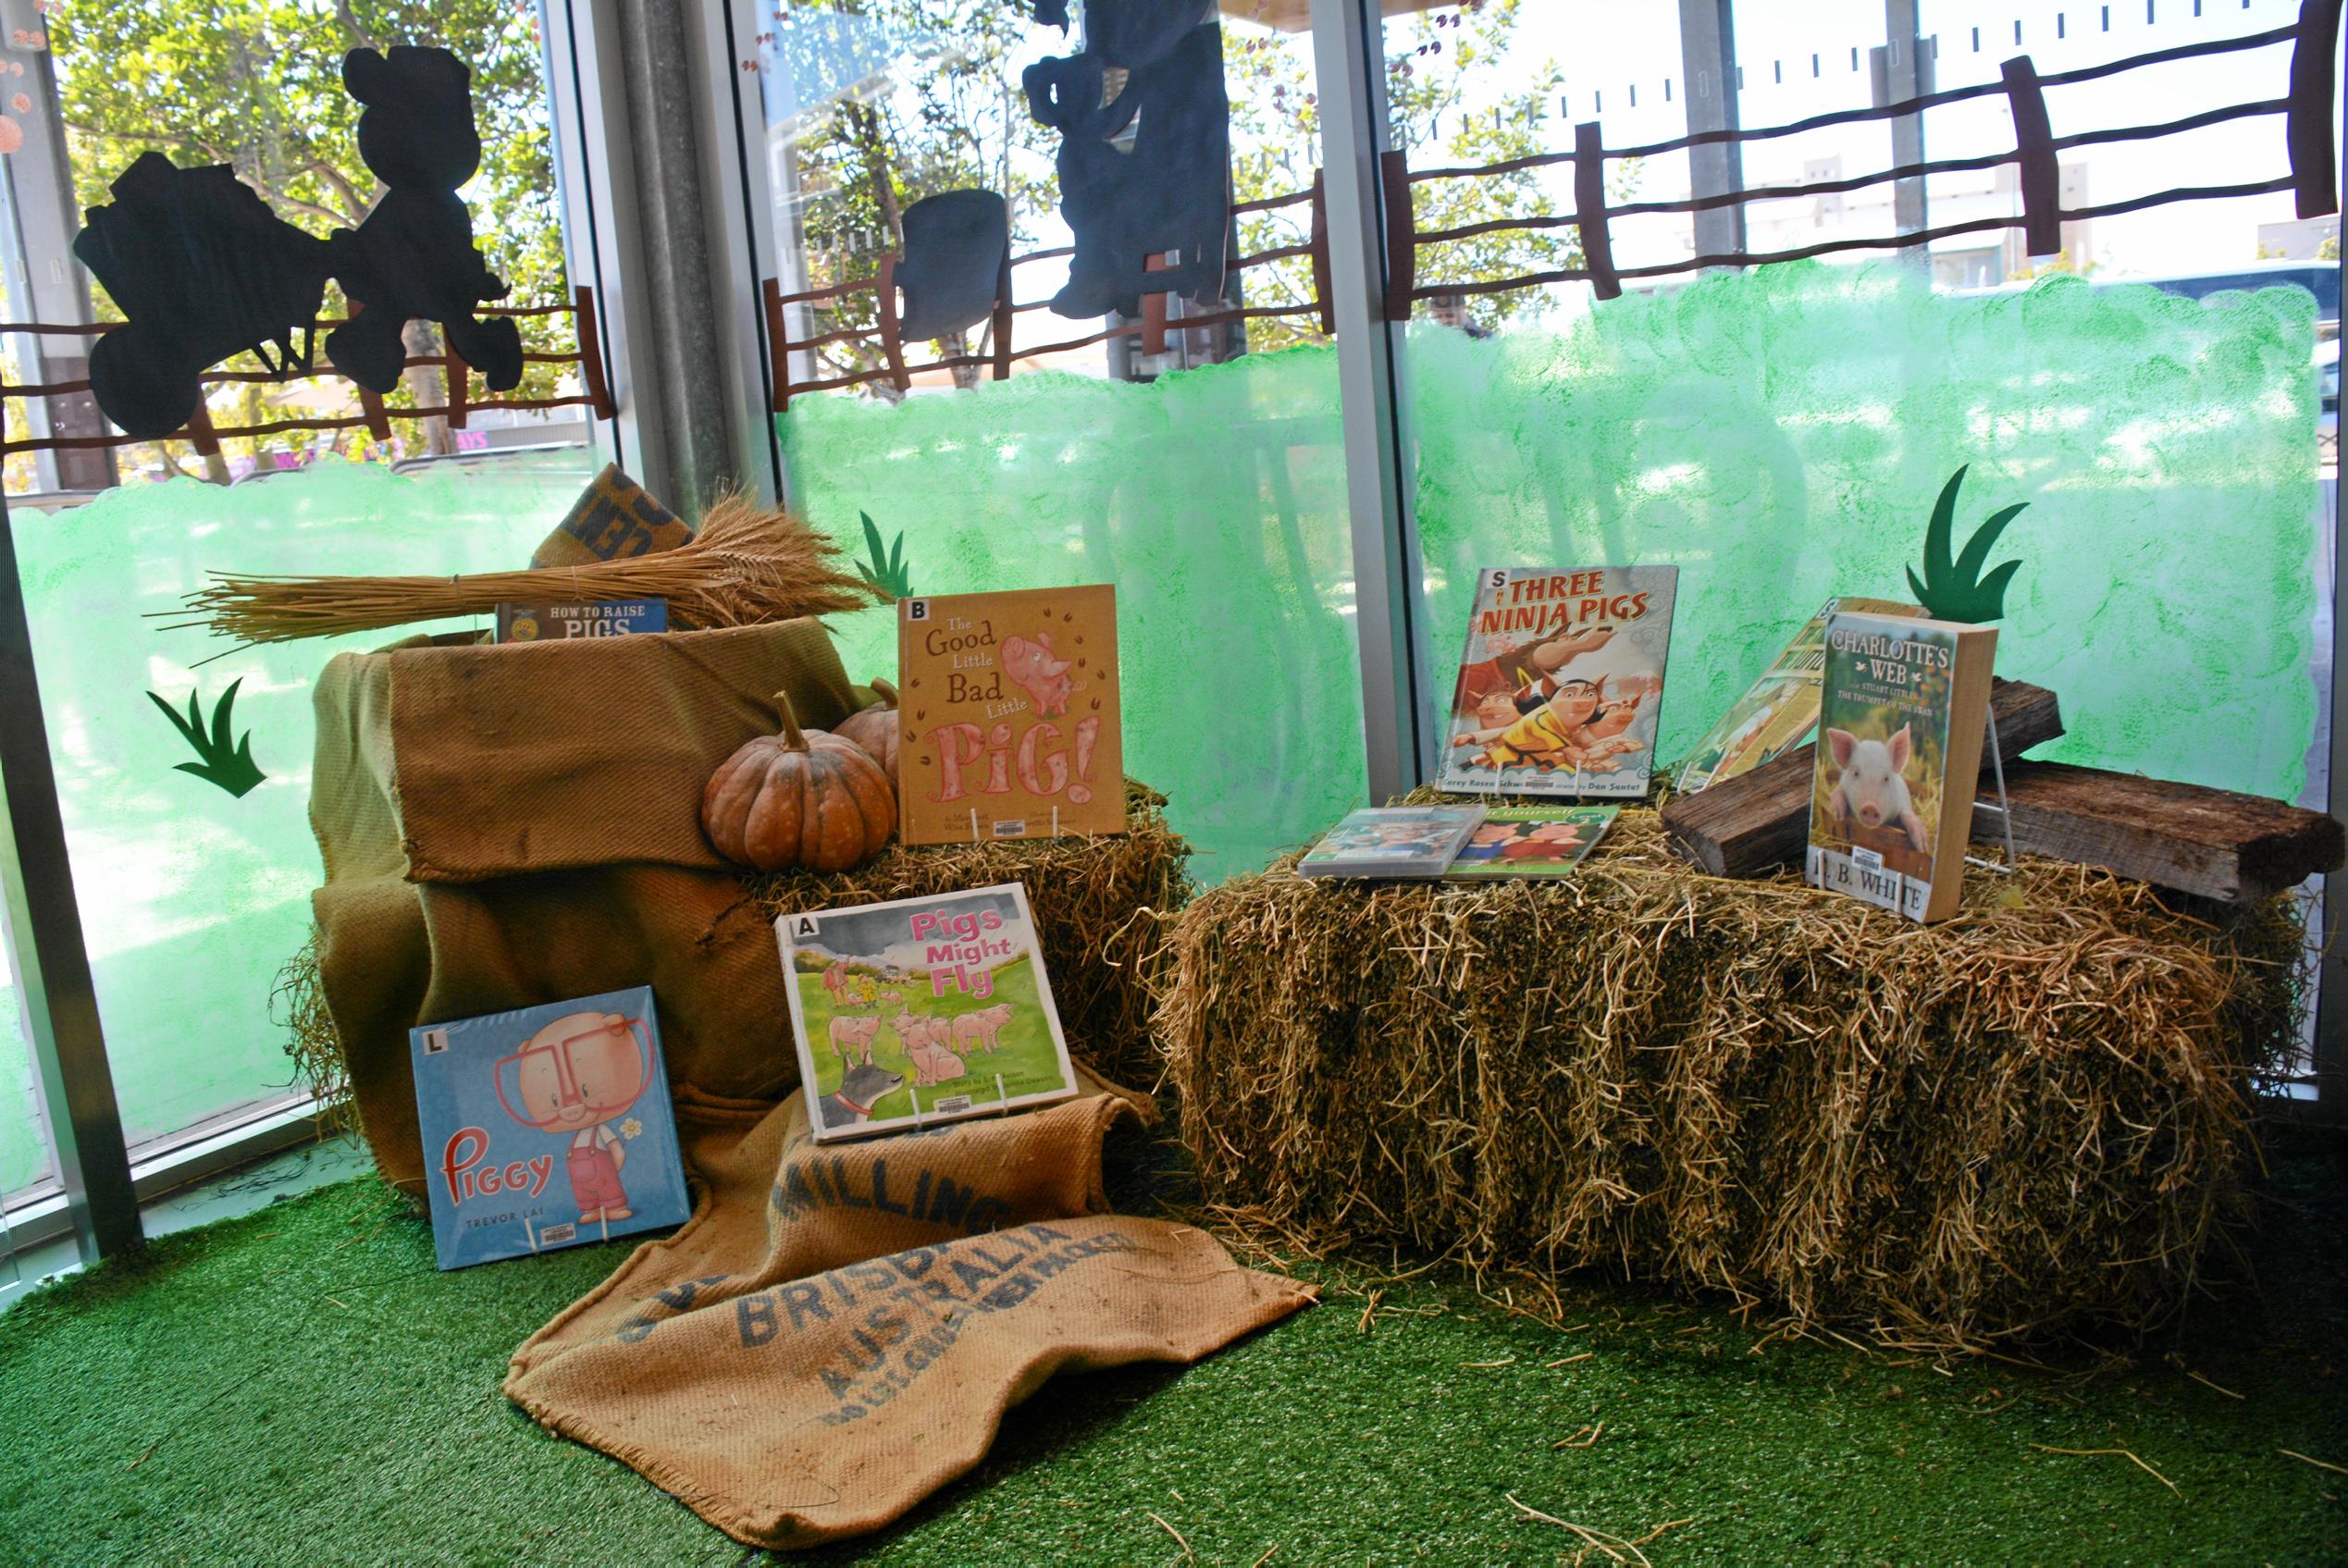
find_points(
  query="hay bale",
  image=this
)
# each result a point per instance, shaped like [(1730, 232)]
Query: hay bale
[(2033, 1116), (1097, 904)]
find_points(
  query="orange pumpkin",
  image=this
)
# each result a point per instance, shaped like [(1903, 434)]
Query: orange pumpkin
[(799, 798), (875, 728)]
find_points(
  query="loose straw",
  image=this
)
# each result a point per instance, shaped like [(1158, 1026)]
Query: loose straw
[(746, 567)]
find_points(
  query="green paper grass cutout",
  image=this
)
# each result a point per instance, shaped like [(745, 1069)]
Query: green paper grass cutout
[(886, 571), (1955, 590), (231, 768)]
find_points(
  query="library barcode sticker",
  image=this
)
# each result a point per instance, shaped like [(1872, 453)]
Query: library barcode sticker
[(951, 1103), (1010, 827), (1861, 856), (555, 1235)]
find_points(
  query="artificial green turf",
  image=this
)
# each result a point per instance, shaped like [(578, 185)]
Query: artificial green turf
[(301, 1385)]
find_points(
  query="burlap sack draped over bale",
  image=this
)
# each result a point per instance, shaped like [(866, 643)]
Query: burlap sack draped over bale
[(837, 1332), (505, 826), (2032, 1117)]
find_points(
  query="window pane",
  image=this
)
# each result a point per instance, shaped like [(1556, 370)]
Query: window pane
[(1207, 481), (191, 897), (1781, 433), (26, 1158)]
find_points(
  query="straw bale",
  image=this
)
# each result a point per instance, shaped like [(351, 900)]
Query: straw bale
[(1097, 902), (2033, 1116)]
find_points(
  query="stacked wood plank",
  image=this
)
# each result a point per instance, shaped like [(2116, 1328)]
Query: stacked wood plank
[(2211, 843)]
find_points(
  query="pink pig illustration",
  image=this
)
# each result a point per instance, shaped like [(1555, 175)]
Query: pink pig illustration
[(982, 1027), (1031, 667)]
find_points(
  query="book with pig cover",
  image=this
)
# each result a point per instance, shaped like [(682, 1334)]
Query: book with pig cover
[(922, 1011), (1902, 709), (1778, 712), (545, 1127), (1009, 718), (1561, 684)]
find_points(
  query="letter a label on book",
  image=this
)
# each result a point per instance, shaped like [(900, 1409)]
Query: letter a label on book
[(1008, 714)]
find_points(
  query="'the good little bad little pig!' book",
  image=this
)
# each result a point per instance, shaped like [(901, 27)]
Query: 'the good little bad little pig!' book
[(1010, 720), (547, 1127)]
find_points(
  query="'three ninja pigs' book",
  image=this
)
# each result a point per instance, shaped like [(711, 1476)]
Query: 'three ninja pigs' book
[(1900, 726), (1779, 710), (1009, 715), (922, 1011), (547, 1127), (1561, 686), (1516, 842)]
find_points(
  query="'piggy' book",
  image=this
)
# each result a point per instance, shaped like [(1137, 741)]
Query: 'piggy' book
[(1561, 684), (1779, 710), (547, 1127), (1008, 703), (922, 1011), (1900, 723)]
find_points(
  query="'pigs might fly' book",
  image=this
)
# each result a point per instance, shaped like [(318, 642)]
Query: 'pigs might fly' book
[(1009, 709), (1517, 841), (1779, 710), (547, 1127), (922, 1011), (1561, 686), (1900, 720)]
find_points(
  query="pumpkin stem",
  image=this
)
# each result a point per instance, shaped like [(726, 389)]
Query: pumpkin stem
[(791, 735), (887, 692)]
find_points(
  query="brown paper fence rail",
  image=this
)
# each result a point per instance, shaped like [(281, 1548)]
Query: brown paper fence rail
[(375, 414), (2312, 179)]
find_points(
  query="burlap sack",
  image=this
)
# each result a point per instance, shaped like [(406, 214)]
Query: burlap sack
[(505, 826), (836, 1332)]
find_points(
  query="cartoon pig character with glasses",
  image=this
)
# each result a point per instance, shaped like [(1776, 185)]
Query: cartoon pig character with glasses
[(578, 1074)]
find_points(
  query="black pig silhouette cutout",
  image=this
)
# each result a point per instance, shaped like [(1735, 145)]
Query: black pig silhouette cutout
[(1145, 161), (956, 243), (201, 268), (413, 258)]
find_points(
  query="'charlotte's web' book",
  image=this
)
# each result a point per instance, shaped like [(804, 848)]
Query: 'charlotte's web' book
[(922, 1011), (1899, 743), (1779, 710), (1561, 686), (547, 1127)]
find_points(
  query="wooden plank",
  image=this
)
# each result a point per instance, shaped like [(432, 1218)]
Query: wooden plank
[(2235, 848), (1759, 822)]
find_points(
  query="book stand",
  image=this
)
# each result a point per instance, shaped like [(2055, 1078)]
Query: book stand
[(2004, 808)]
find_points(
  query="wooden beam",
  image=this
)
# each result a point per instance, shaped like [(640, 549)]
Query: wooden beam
[(1759, 822), (2234, 848), (1295, 16)]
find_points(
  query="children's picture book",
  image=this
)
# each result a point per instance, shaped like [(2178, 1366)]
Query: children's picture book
[(1561, 684), (1900, 723), (1530, 841), (547, 1127), (557, 622), (922, 1011), (1778, 712), (1010, 715), (1393, 840)]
